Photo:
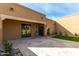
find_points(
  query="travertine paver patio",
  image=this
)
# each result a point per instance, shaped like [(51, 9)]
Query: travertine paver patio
[(44, 46)]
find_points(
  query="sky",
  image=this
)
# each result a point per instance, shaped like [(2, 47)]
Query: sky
[(54, 10)]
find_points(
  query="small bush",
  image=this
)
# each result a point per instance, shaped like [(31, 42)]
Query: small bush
[(7, 48), (76, 34)]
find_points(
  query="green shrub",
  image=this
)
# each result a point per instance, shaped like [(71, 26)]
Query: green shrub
[(7, 48), (71, 38), (76, 34)]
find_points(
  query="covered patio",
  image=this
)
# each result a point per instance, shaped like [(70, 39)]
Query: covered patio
[(11, 27)]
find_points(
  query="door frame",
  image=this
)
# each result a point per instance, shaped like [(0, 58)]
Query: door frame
[(25, 35)]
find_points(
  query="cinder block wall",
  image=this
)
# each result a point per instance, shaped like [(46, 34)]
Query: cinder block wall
[(68, 25)]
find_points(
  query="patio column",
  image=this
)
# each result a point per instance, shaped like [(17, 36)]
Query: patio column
[(1, 35), (33, 30), (45, 30)]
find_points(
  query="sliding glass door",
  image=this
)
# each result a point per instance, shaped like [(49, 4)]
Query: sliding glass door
[(25, 30)]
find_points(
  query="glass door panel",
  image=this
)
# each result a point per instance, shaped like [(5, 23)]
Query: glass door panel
[(25, 30)]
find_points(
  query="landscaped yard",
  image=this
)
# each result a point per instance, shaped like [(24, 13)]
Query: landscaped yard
[(71, 38)]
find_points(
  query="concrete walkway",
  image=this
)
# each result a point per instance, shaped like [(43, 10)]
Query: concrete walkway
[(44, 46)]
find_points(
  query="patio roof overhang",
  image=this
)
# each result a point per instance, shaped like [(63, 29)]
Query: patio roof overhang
[(3, 17)]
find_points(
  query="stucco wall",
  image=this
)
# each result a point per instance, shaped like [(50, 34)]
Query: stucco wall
[(1, 29), (11, 29), (51, 25), (68, 25), (33, 29), (20, 11)]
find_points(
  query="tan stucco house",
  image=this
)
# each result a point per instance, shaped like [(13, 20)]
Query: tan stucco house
[(17, 21), (68, 25)]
